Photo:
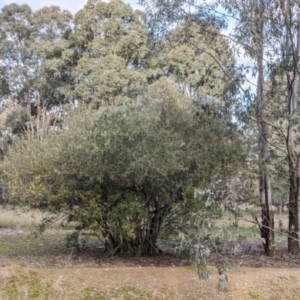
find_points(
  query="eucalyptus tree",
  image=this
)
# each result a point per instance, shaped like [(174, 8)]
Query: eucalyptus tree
[(253, 24), (269, 33), (278, 58), (54, 58), (259, 27), (16, 57), (201, 64), (285, 43), (250, 34), (35, 58), (111, 42)]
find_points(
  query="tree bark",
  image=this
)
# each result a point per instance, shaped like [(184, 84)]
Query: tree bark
[(293, 156), (146, 233), (267, 228), (294, 168), (293, 239)]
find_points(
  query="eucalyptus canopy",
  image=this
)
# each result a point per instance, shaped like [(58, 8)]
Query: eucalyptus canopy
[(111, 43), (200, 63), (35, 60)]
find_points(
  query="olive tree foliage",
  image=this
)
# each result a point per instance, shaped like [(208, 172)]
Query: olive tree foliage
[(110, 39), (35, 59), (122, 171)]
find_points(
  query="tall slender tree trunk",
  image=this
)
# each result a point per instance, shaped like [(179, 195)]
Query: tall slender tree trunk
[(293, 156), (292, 51), (267, 227), (294, 169), (267, 214), (294, 176), (293, 239)]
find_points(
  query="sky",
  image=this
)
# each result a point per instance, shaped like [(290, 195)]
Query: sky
[(72, 5)]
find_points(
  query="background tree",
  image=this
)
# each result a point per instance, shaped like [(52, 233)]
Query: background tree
[(55, 59), (273, 29), (200, 63), (281, 52), (35, 58), (16, 63), (285, 42), (111, 44), (252, 19)]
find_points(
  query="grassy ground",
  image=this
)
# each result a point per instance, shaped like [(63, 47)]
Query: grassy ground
[(145, 283), (43, 268), (248, 228), (15, 218), (19, 219)]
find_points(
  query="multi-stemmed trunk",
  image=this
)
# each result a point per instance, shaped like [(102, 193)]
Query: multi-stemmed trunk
[(146, 233)]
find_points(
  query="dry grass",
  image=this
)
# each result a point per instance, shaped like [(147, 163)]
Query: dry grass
[(59, 276), (246, 220), (17, 218), (145, 283), (247, 225)]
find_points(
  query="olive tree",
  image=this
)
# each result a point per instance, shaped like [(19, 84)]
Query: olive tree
[(121, 171)]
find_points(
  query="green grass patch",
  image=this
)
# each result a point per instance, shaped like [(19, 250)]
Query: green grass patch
[(20, 245), (26, 287), (45, 250), (250, 233), (256, 296)]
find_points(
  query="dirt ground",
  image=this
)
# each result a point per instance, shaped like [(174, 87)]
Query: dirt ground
[(59, 273), (146, 283)]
